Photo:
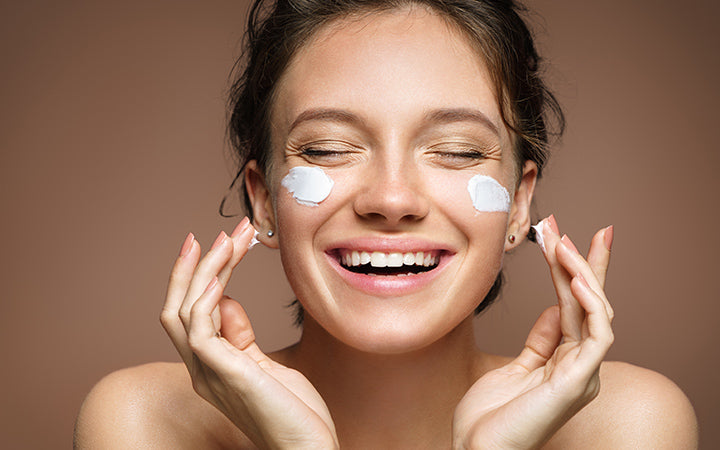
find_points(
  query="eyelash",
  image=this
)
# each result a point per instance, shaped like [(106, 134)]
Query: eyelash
[(316, 152), (467, 154)]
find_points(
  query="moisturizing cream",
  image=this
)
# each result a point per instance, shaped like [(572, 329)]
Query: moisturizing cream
[(308, 185), (254, 241), (488, 195), (539, 238)]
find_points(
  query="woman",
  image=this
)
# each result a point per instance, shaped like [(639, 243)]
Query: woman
[(390, 151)]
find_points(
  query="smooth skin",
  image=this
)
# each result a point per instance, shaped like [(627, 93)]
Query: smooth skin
[(364, 375)]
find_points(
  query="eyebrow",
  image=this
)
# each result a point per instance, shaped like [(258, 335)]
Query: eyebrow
[(326, 114), (443, 115), (449, 115)]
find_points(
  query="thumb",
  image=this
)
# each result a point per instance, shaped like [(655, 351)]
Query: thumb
[(542, 341), (234, 324)]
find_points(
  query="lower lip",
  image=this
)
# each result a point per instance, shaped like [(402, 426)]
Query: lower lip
[(388, 285)]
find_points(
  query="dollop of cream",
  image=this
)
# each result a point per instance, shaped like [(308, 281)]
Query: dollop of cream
[(308, 185), (539, 237), (254, 241), (488, 195)]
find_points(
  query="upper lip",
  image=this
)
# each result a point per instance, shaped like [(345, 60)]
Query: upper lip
[(388, 245)]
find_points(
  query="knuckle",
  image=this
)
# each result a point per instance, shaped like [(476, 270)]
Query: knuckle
[(168, 318)]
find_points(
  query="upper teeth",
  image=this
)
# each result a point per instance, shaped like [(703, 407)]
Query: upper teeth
[(394, 259)]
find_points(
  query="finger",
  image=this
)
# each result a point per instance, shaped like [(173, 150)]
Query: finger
[(600, 336), (543, 339), (213, 350), (573, 262), (180, 277), (599, 254), (206, 270), (241, 237), (236, 328), (571, 314)]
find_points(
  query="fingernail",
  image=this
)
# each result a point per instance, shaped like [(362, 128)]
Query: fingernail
[(608, 237), (219, 240), (212, 284), (553, 223), (582, 280), (240, 227), (566, 240), (187, 245)]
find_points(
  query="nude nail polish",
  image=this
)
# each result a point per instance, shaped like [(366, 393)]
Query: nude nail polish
[(566, 240), (212, 284), (187, 245), (608, 237), (553, 223), (221, 237), (240, 227)]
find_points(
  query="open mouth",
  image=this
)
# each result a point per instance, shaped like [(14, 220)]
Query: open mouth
[(375, 263)]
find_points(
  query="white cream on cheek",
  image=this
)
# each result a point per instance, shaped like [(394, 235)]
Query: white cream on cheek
[(308, 185), (488, 195)]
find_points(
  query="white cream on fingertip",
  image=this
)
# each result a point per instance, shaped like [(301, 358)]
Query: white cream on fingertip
[(539, 237), (308, 185), (254, 241), (488, 195)]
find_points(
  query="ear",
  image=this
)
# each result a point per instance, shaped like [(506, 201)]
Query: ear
[(519, 220), (261, 201)]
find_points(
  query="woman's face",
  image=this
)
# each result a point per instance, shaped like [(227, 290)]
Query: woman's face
[(398, 110)]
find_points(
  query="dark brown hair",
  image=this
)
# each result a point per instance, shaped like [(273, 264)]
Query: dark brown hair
[(276, 29)]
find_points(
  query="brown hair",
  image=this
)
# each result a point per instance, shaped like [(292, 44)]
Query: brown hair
[(276, 29)]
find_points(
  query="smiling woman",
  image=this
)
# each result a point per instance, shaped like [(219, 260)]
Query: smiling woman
[(390, 150)]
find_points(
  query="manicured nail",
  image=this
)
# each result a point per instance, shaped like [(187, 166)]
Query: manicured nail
[(608, 237), (582, 280), (566, 240), (553, 223), (212, 284), (219, 240), (240, 227), (187, 245)]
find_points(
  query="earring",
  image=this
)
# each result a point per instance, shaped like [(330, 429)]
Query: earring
[(270, 233), (511, 239)]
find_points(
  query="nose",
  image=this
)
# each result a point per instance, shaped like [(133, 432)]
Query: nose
[(392, 194)]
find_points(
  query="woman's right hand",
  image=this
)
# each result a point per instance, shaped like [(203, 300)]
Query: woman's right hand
[(275, 406)]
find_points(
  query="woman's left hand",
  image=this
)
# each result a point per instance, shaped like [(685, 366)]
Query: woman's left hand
[(522, 404)]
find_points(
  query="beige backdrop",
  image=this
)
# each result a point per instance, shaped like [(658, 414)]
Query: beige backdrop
[(111, 130)]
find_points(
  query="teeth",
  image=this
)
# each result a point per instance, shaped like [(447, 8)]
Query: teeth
[(378, 259), (409, 259), (364, 258), (394, 259)]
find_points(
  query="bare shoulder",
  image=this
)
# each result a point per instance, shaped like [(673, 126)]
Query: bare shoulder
[(636, 409), (151, 406)]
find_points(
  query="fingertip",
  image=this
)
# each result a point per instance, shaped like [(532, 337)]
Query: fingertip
[(221, 238), (212, 284), (240, 227), (608, 237), (553, 223), (569, 244), (187, 245)]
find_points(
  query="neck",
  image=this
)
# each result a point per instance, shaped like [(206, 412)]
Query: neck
[(390, 401)]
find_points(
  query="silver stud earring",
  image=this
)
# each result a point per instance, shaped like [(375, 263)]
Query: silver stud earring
[(270, 233), (511, 239)]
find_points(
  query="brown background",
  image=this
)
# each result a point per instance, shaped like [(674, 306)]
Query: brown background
[(112, 138)]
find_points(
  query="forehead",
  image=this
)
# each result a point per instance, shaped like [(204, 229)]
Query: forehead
[(386, 66)]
